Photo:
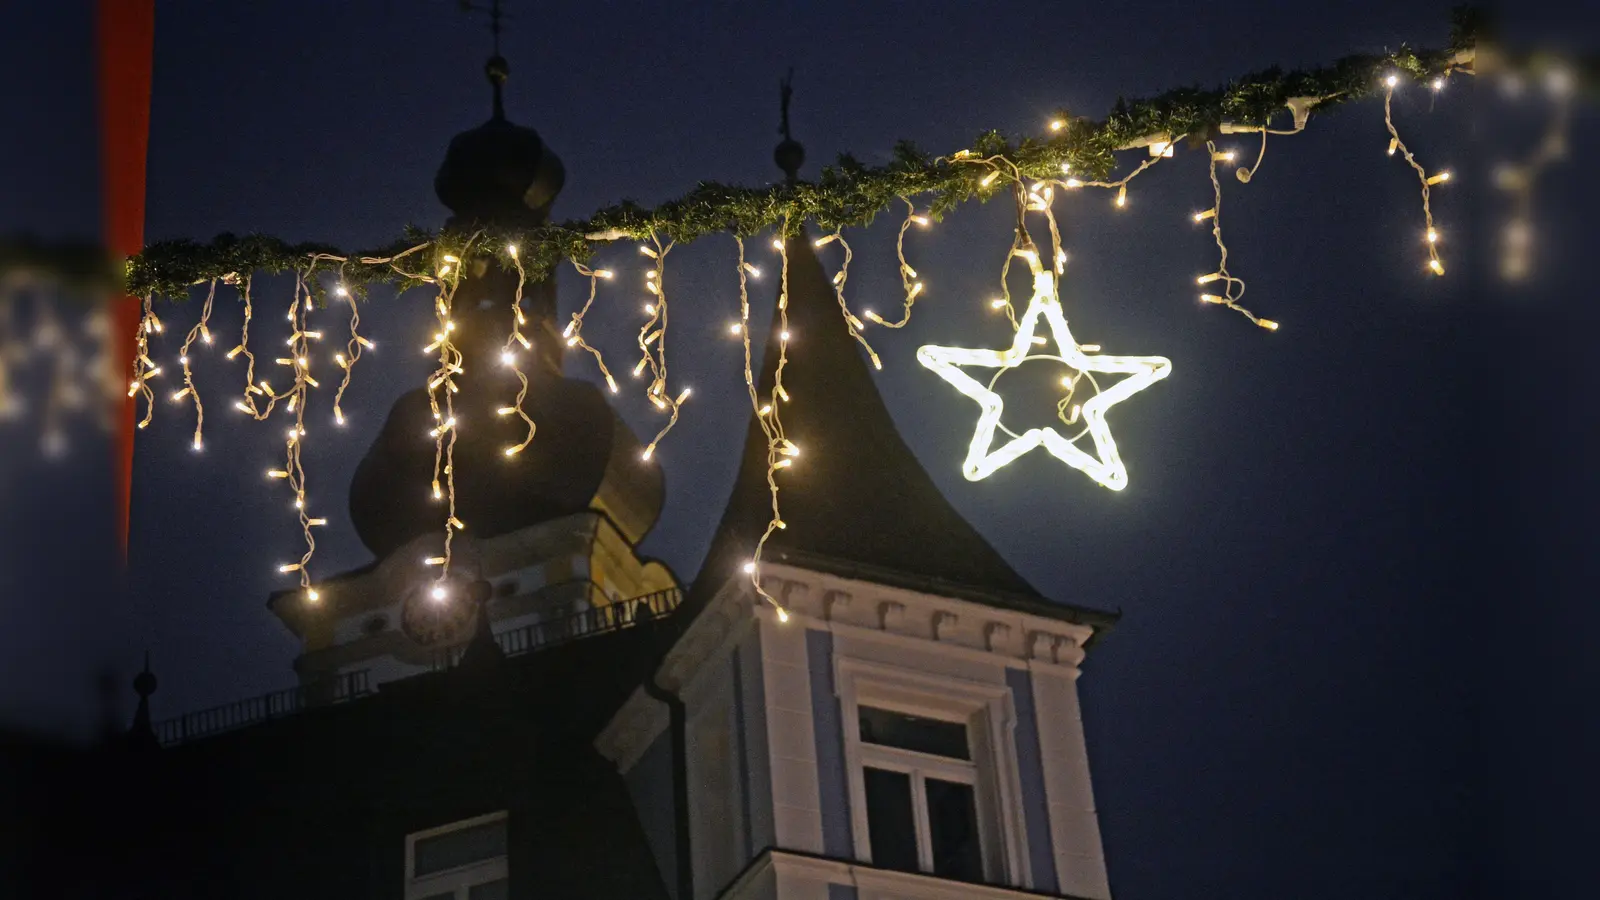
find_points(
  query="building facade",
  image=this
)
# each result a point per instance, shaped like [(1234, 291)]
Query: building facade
[(574, 721)]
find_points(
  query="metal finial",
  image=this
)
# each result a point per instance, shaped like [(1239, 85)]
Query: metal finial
[(789, 155), (785, 94), (496, 68)]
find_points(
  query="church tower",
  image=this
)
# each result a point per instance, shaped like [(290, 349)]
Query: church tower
[(913, 729), (554, 532)]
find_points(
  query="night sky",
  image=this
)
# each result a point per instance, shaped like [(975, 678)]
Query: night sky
[(1352, 657)]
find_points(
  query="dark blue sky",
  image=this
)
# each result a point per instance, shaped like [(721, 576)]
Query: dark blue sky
[(1344, 548)]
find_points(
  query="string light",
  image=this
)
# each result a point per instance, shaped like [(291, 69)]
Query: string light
[(297, 398), (509, 356), (143, 368), (1232, 288), (574, 329), (653, 342), (352, 348), (851, 323), (442, 386), (1435, 264), (199, 331), (1516, 239), (767, 414), (910, 286)]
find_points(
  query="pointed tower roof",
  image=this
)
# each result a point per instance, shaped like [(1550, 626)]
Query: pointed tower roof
[(857, 502)]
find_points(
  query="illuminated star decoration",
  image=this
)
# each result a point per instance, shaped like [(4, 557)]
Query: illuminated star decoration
[(1106, 465)]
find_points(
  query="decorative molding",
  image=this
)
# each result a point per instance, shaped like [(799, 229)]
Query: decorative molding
[(891, 615), (834, 603), (822, 600), (1042, 645)]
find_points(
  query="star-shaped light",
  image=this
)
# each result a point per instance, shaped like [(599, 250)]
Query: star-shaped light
[(1105, 466)]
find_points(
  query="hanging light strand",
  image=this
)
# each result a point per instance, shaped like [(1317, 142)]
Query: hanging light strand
[(909, 283), (251, 389), (780, 452), (442, 389), (653, 341), (352, 347), (508, 357), (143, 368), (851, 323), (1431, 236), (1232, 289), (1516, 240), (298, 398), (574, 329), (202, 332)]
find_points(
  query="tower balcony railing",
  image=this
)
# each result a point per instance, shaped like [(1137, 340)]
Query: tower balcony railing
[(600, 615), (250, 711)]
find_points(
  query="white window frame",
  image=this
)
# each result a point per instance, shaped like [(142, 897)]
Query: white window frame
[(990, 716), (459, 880)]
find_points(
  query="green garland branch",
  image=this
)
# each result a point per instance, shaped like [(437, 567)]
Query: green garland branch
[(847, 193)]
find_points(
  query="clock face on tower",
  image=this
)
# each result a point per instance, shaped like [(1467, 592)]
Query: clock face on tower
[(434, 616)]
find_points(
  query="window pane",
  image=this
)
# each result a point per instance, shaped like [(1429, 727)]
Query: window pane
[(892, 729), (460, 847), (889, 826), (499, 889), (953, 830)]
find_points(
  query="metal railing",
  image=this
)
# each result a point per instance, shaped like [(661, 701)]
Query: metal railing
[(602, 617), (243, 713), (605, 617)]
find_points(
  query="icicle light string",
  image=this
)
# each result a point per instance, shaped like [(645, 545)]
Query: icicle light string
[(248, 404), (352, 348), (653, 340), (574, 330), (908, 276), (1232, 289), (298, 399), (851, 323), (1520, 180), (201, 331), (509, 358), (1431, 235), (442, 386), (780, 453), (143, 368)]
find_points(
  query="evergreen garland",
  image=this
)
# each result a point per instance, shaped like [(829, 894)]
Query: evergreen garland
[(848, 193)]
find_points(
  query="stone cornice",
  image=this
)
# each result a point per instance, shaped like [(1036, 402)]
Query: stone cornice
[(852, 606), (845, 606)]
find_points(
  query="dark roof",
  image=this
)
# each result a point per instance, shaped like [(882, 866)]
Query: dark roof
[(856, 497)]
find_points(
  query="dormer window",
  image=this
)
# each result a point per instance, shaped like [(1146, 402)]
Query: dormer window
[(932, 768), (920, 788)]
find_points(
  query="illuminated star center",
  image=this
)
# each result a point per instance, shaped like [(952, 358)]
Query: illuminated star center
[(1105, 465)]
